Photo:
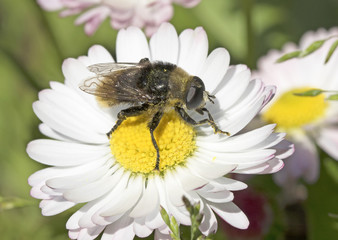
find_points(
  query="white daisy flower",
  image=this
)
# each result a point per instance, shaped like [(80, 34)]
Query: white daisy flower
[(122, 13), (116, 177), (307, 120)]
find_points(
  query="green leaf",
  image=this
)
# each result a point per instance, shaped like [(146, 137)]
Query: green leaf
[(288, 56), (165, 216), (313, 47), (331, 51), (175, 228), (333, 97), (310, 93), (172, 224), (188, 205)]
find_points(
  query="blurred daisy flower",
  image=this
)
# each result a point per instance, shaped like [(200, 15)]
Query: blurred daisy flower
[(307, 120), (122, 13), (115, 178)]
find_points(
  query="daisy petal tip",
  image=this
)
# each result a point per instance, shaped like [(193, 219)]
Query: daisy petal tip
[(200, 30), (281, 167), (67, 64), (73, 234), (246, 224), (30, 149), (166, 26), (96, 48), (31, 181)]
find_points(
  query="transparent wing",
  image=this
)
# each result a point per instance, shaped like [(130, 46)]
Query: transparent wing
[(108, 68), (116, 83)]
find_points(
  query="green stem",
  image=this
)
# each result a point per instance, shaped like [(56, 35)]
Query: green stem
[(247, 6)]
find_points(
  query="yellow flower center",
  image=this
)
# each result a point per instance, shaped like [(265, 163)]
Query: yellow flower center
[(132, 146), (291, 111)]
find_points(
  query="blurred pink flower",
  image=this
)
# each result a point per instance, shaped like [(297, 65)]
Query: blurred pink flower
[(308, 121), (122, 13)]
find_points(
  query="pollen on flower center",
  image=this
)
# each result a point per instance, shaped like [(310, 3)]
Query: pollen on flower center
[(291, 111), (132, 146)]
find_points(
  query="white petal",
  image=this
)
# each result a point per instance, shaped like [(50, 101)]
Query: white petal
[(284, 149), (209, 223), (217, 197), (108, 200), (233, 85), (51, 192), (161, 236), (208, 168), (193, 50), (87, 218), (59, 153), (65, 114), (275, 165), (148, 202), (73, 234), (241, 158), (180, 214), (90, 233), (53, 172), (189, 180), (238, 120), (253, 169), (37, 193), (55, 206), (164, 44), (174, 189), (215, 68), (86, 100), (154, 220), (231, 214), (93, 190), (239, 142), (49, 132), (271, 141), (75, 73), (271, 166), (255, 89), (80, 178), (126, 199), (61, 121), (122, 229), (141, 230), (73, 221), (224, 183), (98, 54), (131, 45)]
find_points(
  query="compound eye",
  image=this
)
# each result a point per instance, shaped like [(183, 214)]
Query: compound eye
[(194, 97)]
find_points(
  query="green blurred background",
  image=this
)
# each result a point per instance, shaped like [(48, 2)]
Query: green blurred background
[(33, 44)]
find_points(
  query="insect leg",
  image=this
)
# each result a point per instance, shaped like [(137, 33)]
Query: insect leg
[(209, 96), (209, 120), (124, 114), (152, 126)]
